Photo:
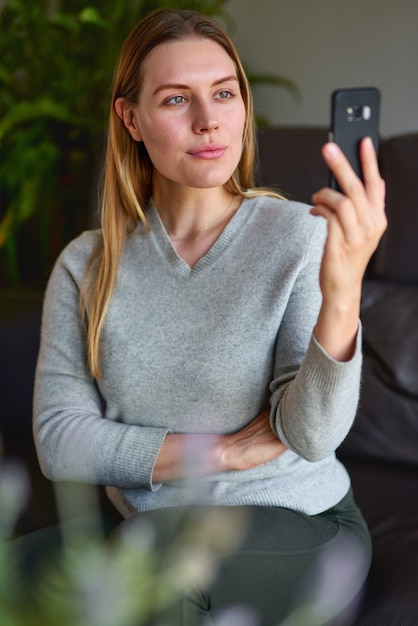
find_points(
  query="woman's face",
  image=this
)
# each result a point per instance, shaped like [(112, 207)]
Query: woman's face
[(190, 114)]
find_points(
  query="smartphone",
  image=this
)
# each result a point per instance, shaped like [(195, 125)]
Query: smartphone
[(354, 115)]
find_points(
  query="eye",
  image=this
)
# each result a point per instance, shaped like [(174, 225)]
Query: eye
[(176, 100), (225, 94)]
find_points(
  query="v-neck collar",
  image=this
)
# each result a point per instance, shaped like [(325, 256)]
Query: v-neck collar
[(177, 264)]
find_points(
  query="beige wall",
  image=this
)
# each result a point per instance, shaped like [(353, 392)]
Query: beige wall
[(326, 44)]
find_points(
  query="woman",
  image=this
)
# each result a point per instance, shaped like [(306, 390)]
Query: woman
[(204, 347)]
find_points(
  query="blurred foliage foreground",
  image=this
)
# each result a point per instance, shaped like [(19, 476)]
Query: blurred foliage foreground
[(124, 580), (56, 65)]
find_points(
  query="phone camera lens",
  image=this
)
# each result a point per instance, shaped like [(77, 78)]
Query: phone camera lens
[(355, 113), (358, 112)]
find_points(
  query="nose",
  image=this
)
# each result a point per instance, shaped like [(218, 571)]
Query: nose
[(205, 118)]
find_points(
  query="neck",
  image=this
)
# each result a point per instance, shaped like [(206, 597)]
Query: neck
[(193, 216)]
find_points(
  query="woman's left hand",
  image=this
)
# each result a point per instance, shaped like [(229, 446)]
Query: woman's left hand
[(356, 221)]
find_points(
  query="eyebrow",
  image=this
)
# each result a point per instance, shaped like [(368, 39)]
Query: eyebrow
[(164, 86)]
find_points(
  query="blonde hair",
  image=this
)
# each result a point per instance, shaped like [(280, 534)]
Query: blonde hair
[(127, 181)]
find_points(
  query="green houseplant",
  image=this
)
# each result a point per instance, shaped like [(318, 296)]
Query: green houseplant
[(88, 580), (56, 63)]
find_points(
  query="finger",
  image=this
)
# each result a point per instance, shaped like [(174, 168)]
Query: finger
[(342, 223), (374, 184), (340, 167), (333, 205), (368, 159)]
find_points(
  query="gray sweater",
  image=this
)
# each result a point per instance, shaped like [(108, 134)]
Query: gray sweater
[(201, 350)]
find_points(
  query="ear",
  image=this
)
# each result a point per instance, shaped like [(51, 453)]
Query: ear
[(127, 115)]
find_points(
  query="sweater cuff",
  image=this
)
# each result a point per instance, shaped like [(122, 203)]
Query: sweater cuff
[(136, 457), (327, 371)]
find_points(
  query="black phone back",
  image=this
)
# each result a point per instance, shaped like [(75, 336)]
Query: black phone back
[(354, 115)]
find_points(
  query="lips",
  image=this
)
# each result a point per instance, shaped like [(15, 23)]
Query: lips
[(208, 151)]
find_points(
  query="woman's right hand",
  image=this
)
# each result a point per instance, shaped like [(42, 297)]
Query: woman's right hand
[(254, 445), (187, 456)]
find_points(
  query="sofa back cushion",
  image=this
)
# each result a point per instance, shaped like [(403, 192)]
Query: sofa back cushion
[(290, 160), (386, 426), (397, 256)]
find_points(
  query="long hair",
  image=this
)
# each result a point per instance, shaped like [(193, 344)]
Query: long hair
[(127, 181)]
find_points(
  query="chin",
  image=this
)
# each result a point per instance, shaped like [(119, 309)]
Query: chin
[(211, 180)]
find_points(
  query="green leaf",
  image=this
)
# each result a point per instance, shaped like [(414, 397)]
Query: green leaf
[(27, 111), (91, 15)]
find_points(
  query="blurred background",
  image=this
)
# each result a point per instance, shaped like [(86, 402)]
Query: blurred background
[(327, 44), (56, 62)]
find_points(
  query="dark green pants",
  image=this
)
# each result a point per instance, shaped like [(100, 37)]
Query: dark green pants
[(276, 566), (288, 564)]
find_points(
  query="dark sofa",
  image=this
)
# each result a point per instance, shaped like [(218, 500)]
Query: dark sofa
[(381, 451)]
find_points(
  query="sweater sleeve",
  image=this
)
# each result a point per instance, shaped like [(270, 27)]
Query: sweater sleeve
[(74, 440), (314, 398)]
